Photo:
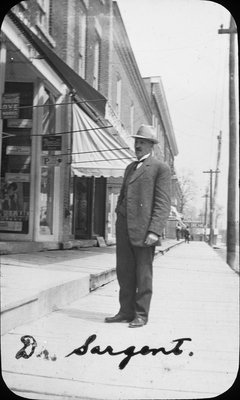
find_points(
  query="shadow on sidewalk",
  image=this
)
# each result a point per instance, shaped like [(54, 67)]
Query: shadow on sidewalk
[(94, 316)]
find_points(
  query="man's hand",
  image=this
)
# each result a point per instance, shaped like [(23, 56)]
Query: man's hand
[(151, 239)]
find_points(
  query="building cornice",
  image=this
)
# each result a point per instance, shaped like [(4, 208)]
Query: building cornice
[(161, 103), (124, 50)]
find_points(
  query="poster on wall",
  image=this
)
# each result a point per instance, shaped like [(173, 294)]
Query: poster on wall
[(14, 206), (10, 105)]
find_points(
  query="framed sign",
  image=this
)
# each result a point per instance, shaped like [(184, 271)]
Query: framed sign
[(10, 105), (51, 143)]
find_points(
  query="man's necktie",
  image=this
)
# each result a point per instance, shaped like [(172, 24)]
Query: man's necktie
[(137, 163)]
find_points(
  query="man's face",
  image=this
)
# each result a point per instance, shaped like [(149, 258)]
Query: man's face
[(142, 147)]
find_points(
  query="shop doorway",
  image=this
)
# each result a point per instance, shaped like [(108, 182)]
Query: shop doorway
[(89, 207)]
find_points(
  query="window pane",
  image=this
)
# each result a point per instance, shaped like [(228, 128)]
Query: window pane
[(47, 171), (46, 200), (16, 162)]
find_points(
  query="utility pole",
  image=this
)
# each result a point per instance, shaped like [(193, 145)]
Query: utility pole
[(205, 213), (219, 138), (232, 168), (211, 205)]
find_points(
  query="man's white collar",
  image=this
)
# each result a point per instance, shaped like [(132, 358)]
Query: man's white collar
[(144, 157)]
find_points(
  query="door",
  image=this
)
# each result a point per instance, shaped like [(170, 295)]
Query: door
[(99, 207), (89, 207)]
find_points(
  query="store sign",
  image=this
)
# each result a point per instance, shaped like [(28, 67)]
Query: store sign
[(18, 150), (15, 226), (196, 224), (49, 161), (19, 123), (10, 105), (17, 177), (51, 143)]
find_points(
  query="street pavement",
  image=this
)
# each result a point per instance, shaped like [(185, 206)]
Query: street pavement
[(193, 327)]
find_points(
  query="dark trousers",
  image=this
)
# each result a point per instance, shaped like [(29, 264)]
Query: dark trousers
[(134, 273)]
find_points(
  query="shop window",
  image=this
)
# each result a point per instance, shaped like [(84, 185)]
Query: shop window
[(16, 157), (46, 200), (48, 164)]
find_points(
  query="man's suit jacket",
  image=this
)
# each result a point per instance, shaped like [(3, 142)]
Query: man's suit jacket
[(148, 199)]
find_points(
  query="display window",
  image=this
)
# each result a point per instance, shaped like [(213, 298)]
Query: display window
[(16, 157), (50, 148)]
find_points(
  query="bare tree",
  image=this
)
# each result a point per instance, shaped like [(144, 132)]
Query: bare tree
[(188, 190)]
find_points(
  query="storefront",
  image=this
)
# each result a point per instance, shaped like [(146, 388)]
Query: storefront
[(58, 151), (30, 205), (16, 157), (99, 159)]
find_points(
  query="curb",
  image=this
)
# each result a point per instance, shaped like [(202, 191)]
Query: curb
[(34, 247), (46, 301), (166, 249), (101, 279), (36, 306)]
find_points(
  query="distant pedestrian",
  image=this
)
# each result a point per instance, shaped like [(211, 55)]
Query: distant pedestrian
[(182, 232), (187, 234), (178, 231), (142, 210)]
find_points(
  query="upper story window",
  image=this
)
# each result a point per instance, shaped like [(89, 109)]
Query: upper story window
[(118, 96), (154, 121), (44, 14), (132, 118), (96, 66), (82, 44), (23, 4)]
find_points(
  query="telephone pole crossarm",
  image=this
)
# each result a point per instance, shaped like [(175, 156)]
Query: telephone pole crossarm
[(225, 30)]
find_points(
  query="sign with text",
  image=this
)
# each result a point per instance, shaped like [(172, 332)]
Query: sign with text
[(19, 123), (10, 105), (51, 143), (17, 177), (18, 150), (10, 226), (52, 160)]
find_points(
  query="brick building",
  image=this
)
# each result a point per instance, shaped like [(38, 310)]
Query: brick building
[(71, 94)]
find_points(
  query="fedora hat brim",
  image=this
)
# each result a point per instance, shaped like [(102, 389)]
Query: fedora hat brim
[(155, 141)]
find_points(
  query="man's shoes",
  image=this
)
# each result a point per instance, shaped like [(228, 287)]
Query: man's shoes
[(137, 323), (118, 318)]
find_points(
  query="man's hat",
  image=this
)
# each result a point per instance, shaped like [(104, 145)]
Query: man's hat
[(146, 132)]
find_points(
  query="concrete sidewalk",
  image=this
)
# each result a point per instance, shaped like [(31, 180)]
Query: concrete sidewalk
[(35, 284), (195, 299)]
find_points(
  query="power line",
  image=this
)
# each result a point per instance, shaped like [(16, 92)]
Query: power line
[(57, 104), (92, 151), (107, 159), (62, 133)]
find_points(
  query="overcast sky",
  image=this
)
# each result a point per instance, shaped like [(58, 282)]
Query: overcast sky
[(179, 41)]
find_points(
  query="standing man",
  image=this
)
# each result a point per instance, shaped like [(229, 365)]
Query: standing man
[(142, 211)]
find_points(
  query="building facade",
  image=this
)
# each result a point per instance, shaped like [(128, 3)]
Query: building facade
[(71, 94), (32, 178)]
